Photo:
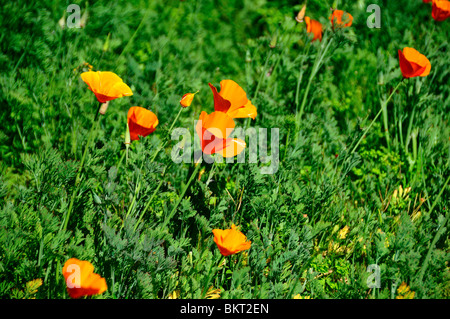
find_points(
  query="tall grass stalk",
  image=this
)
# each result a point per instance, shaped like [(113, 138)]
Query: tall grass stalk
[(317, 64), (376, 116), (148, 204), (161, 146), (130, 41), (386, 126), (300, 76), (441, 229), (261, 77), (80, 168)]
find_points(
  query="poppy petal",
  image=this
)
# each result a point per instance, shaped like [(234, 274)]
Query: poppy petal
[(120, 89), (248, 110), (92, 79), (233, 147), (405, 66), (232, 92), (107, 79), (220, 104), (220, 124)]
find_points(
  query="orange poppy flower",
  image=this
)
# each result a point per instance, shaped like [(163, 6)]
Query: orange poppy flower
[(413, 63), (106, 86), (440, 10), (186, 100), (141, 122), (314, 27), (232, 100), (341, 19), (230, 241), (81, 279), (213, 130)]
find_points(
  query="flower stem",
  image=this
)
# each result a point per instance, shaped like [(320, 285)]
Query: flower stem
[(80, 168), (386, 127), (376, 117), (175, 120), (170, 131), (174, 209)]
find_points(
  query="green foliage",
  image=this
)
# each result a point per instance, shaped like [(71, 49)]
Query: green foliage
[(315, 225)]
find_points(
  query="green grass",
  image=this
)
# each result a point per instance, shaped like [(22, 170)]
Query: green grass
[(146, 223)]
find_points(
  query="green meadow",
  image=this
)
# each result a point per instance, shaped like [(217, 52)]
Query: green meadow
[(357, 207)]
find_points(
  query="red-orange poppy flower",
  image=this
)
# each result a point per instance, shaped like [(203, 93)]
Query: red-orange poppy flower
[(214, 130), (141, 122), (341, 19), (413, 63), (230, 241), (314, 27), (81, 279), (232, 100), (440, 10), (186, 100), (106, 86)]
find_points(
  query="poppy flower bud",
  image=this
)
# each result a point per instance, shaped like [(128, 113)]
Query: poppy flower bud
[(84, 17), (301, 14), (273, 42), (106, 44), (62, 21), (127, 136), (186, 100), (103, 108)]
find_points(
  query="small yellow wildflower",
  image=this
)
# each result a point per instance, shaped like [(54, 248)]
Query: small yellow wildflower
[(404, 292), (212, 293), (301, 297), (244, 258), (343, 232), (174, 295)]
